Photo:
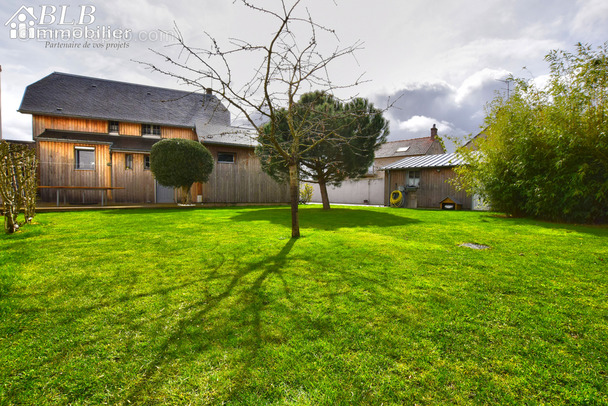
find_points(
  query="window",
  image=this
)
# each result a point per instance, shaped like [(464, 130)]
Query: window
[(150, 129), (84, 158), (413, 178), (147, 162), (113, 127), (129, 161), (225, 157), (402, 149)]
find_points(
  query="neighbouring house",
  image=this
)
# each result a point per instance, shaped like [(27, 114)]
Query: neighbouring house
[(92, 132), (473, 143), (371, 188), (425, 181), (394, 151)]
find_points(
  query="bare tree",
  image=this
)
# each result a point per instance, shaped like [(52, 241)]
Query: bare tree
[(285, 67), (18, 183)]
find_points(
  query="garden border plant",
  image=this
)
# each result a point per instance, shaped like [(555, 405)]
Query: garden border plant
[(18, 184)]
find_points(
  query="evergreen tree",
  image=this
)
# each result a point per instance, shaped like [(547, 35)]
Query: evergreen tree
[(338, 142)]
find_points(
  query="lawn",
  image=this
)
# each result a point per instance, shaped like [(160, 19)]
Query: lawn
[(371, 306)]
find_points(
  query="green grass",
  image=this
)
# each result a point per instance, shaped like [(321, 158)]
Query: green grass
[(371, 306)]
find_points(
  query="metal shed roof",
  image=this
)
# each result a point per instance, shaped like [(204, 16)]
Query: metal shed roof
[(226, 135), (426, 161)]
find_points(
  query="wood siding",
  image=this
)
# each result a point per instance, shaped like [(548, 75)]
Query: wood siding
[(41, 123), (434, 187), (137, 181), (240, 182), (177, 132), (57, 168), (129, 128)]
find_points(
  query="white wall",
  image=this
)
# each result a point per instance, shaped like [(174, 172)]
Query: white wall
[(353, 192)]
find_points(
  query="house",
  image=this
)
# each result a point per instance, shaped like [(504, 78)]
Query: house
[(473, 143), (92, 132), (371, 188), (424, 180), (394, 151)]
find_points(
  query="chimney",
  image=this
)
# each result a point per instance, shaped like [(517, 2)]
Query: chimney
[(209, 90), (433, 132)]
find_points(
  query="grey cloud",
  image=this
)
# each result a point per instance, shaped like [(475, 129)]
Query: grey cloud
[(456, 114)]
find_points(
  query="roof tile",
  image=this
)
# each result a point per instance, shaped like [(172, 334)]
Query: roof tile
[(416, 146), (62, 94)]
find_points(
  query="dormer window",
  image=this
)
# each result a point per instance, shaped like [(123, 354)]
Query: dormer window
[(113, 127), (150, 130)]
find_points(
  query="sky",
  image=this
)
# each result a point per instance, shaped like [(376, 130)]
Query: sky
[(433, 61)]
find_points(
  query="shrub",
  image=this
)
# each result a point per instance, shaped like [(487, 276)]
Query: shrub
[(18, 184), (306, 193), (546, 152), (179, 163)]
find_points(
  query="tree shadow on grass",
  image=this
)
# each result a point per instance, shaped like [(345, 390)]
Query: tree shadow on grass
[(201, 339), (328, 220)]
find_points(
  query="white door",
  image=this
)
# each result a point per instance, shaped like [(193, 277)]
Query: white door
[(164, 194)]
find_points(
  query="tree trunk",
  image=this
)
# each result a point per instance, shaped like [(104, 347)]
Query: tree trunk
[(9, 218), (324, 196), (185, 195), (294, 193)]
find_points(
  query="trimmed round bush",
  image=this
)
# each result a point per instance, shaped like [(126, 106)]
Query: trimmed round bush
[(179, 163)]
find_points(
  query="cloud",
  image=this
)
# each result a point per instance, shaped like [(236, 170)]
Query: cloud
[(422, 123), (456, 110), (591, 18), (441, 57), (478, 81)]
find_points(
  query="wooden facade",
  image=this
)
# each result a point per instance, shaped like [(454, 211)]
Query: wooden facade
[(129, 129), (137, 181), (241, 181), (58, 168), (434, 186), (94, 137), (177, 132), (42, 123)]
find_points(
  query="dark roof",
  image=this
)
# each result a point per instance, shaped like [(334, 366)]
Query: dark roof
[(62, 94), (117, 142), (416, 146), (426, 161)]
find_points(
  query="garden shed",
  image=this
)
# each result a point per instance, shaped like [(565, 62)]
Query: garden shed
[(424, 180)]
